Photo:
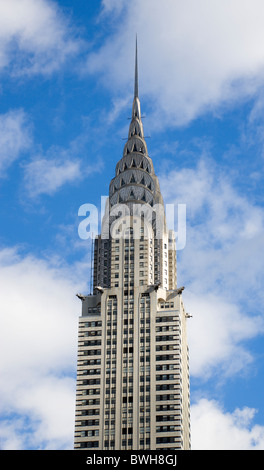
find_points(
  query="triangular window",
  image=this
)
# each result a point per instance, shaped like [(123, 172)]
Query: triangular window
[(132, 180)]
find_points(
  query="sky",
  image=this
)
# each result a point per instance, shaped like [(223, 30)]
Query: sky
[(66, 90)]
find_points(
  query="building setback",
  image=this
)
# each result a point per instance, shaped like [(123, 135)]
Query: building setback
[(133, 368)]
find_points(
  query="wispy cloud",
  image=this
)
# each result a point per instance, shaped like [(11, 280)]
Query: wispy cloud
[(15, 138), (43, 176), (48, 175), (35, 37), (113, 7), (47, 172)]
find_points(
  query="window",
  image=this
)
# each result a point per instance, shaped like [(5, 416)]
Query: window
[(162, 440), (92, 352), (89, 444)]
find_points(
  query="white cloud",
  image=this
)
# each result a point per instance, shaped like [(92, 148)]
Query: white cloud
[(15, 137), (220, 220), (38, 335), (193, 55), (34, 36), (217, 333), (215, 429), (43, 176), (113, 7), (47, 174), (220, 267), (41, 414)]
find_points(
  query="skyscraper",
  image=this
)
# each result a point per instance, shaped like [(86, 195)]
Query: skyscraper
[(133, 373)]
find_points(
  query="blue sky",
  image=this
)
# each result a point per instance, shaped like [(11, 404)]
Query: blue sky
[(66, 89)]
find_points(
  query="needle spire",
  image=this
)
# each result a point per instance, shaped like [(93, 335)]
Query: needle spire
[(136, 74)]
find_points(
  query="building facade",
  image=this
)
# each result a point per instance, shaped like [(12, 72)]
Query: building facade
[(133, 366)]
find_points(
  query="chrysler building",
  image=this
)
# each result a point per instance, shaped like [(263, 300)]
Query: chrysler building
[(133, 388)]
